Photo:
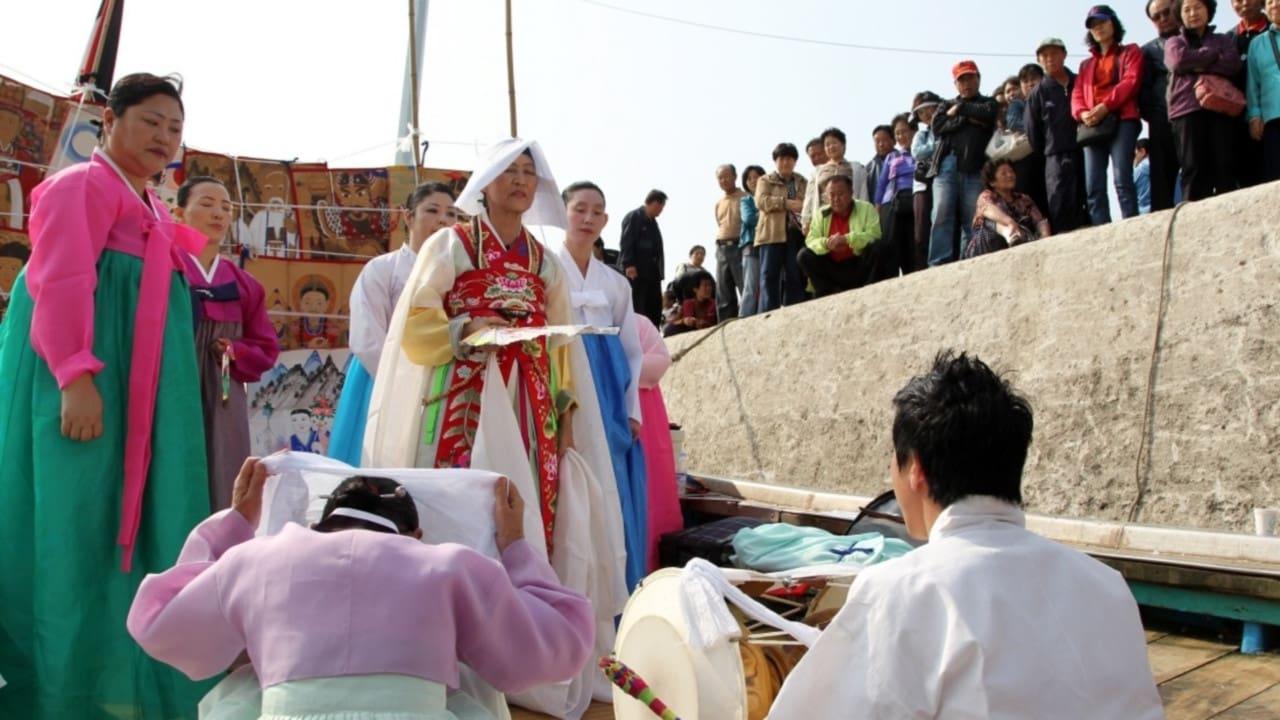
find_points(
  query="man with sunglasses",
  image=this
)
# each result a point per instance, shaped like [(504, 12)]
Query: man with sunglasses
[(1154, 106), (987, 619)]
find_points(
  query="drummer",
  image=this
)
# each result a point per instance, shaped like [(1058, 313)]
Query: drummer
[(987, 619), (356, 611)]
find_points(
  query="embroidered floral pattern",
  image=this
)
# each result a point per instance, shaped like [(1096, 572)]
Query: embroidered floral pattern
[(505, 283)]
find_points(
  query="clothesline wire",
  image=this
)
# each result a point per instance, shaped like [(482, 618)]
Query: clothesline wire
[(796, 39), (290, 313), (50, 88)]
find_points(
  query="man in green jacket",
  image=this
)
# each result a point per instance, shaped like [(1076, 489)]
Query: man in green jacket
[(841, 248)]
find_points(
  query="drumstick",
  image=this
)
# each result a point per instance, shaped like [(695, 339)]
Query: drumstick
[(635, 686)]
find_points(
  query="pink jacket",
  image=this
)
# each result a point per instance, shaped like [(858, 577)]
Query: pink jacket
[(256, 350), (307, 604), (76, 215), (1123, 98)]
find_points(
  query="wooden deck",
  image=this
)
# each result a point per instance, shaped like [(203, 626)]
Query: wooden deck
[(1199, 679)]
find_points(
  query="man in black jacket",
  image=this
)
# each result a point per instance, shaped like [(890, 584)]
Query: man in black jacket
[(1052, 131), (1153, 103), (963, 127), (641, 257)]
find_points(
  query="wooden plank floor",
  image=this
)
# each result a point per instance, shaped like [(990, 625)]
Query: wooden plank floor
[(1199, 680)]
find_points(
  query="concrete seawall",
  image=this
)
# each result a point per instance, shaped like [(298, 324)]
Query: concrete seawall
[(801, 396)]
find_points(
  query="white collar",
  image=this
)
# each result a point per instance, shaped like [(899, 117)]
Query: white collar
[(213, 267), (571, 265), (124, 179), (407, 251), (974, 511)]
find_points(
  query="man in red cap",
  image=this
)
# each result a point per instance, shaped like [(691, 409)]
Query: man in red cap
[(963, 127)]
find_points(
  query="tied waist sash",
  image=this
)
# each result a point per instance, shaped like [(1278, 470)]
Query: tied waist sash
[(160, 246)]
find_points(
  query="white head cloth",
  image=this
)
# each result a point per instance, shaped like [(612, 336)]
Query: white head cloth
[(547, 209)]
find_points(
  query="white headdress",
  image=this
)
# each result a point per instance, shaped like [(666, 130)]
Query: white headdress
[(547, 209)]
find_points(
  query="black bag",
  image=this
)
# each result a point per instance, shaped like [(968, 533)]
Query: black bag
[(712, 542), (922, 170), (1099, 134)]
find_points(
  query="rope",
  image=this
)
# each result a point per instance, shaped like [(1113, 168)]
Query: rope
[(677, 356), (1147, 430)]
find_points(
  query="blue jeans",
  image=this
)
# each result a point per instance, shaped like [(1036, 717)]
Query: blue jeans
[(779, 274), (750, 281), (1120, 153), (955, 200)]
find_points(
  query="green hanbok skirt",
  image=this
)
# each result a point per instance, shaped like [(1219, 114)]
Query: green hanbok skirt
[(64, 649)]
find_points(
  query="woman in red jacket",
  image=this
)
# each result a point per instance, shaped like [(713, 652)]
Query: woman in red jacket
[(1105, 100)]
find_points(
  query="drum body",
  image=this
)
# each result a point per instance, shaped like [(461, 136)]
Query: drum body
[(733, 680)]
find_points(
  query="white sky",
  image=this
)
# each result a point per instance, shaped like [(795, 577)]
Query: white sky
[(627, 101)]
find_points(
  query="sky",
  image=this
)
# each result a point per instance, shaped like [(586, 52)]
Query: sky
[(629, 101)]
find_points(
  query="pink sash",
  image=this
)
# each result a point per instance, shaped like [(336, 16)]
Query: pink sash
[(160, 245)]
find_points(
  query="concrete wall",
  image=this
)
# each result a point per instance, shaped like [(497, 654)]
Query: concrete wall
[(801, 396)]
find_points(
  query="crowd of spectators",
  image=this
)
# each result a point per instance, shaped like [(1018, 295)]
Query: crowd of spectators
[(954, 178)]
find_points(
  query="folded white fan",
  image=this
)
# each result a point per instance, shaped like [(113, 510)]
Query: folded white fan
[(507, 336)]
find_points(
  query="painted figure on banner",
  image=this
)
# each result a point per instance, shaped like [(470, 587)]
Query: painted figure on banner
[(305, 382), (235, 342), (26, 119), (100, 396), (349, 210), (267, 225), (12, 207), (304, 435), (316, 296)]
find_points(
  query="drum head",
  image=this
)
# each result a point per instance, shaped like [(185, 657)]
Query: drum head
[(653, 641)]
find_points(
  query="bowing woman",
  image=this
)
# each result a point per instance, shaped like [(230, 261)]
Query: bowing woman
[(373, 300), (489, 272), (379, 622), (102, 457), (235, 342)]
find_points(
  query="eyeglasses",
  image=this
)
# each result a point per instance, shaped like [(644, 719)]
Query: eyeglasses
[(1162, 14)]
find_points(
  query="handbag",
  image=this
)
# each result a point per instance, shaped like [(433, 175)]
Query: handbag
[(1216, 93), (1101, 134), (922, 170), (1008, 145)]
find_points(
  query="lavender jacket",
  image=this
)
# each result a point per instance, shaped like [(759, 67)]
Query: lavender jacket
[(307, 604), (1217, 55)]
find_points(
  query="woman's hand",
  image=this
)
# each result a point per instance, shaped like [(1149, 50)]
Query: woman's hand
[(221, 347), (566, 433), (508, 514), (635, 428), (476, 325), (1256, 129), (246, 495), (82, 410)]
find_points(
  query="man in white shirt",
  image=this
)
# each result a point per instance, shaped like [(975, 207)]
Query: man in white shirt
[(987, 620)]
